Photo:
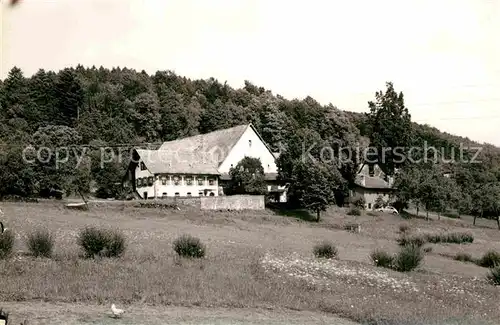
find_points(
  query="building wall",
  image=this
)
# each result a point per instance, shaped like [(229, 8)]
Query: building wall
[(255, 149), (371, 196), (200, 185), (233, 202), (167, 185), (141, 174)]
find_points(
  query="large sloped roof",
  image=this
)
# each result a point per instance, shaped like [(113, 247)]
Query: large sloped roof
[(199, 154)]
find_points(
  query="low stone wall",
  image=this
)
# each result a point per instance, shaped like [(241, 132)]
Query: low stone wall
[(233, 202)]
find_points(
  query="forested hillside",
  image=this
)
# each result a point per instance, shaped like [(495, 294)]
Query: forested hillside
[(87, 109)]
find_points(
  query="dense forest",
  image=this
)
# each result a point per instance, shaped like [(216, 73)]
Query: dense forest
[(86, 109)]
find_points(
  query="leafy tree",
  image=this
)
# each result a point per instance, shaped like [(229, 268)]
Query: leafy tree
[(58, 158), (389, 127), (314, 186), (69, 96), (247, 177)]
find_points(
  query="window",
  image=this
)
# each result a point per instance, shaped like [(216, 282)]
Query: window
[(150, 181), (212, 194), (200, 193), (164, 180), (138, 182), (249, 143), (177, 194), (177, 180), (371, 170), (201, 181), (189, 181), (369, 205), (188, 193), (143, 166), (144, 181), (164, 195), (211, 182)]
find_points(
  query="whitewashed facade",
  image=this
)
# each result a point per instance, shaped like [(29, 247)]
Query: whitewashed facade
[(196, 166)]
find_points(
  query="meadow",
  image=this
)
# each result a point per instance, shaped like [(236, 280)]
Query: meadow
[(255, 259)]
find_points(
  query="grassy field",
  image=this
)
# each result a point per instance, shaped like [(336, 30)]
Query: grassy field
[(255, 260)]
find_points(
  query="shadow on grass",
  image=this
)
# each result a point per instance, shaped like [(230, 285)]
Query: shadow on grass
[(286, 211)]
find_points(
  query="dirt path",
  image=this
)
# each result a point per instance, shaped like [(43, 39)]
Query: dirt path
[(68, 314)]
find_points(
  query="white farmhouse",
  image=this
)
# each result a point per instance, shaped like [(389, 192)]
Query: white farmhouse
[(199, 165)]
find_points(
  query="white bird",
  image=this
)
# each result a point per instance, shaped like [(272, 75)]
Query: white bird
[(116, 312)]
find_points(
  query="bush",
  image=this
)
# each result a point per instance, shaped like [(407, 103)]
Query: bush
[(411, 241), (464, 257), (325, 250), (352, 227), (490, 259), (453, 215), (358, 201), (382, 259), (408, 259), (6, 243), (354, 211), (40, 243), (404, 228), (189, 246), (379, 203), (494, 276), (103, 243), (452, 238)]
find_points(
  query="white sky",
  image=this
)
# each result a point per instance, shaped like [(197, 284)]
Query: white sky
[(443, 54)]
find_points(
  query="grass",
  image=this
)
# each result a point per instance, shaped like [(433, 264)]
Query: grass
[(236, 271)]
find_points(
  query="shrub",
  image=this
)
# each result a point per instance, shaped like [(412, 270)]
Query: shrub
[(358, 201), (490, 259), (116, 244), (352, 227), (325, 250), (354, 211), (103, 243), (453, 215), (453, 238), (40, 243), (382, 259), (494, 276), (404, 228), (411, 241), (464, 257), (379, 203), (189, 246), (6, 243), (408, 259)]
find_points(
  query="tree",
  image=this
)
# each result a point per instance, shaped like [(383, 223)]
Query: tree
[(247, 177), (390, 127), (58, 158), (69, 95), (314, 186)]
